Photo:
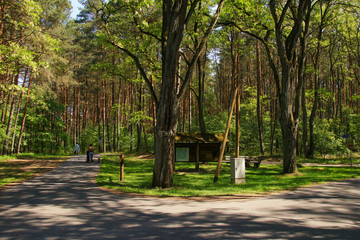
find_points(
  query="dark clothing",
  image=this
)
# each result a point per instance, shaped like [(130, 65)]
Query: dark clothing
[(90, 154)]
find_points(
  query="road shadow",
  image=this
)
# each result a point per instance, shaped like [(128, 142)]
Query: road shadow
[(66, 204)]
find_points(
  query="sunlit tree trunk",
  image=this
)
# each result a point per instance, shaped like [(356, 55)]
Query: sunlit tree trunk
[(25, 112)]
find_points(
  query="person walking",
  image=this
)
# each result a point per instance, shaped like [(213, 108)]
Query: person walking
[(76, 149), (90, 154)]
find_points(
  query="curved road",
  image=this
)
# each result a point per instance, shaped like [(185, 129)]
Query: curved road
[(66, 204)]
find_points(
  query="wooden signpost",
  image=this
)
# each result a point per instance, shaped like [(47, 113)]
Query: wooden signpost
[(222, 148), (121, 167)]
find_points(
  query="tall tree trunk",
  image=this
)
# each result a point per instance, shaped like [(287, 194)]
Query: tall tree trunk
[(104, 117), (273, 122), (131, 111), (114, 115), (139, 122), (304, 122), (286, 87), (189, 111), (176, 14), (25, 112), (146, 140), (258, 98), (74, 117), (200, 97), (201, 82), (118, 119), (12, 100), (174, 19), (17, 114), (4, 96)]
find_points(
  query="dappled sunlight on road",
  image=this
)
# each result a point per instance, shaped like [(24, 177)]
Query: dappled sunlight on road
[(66, 204)]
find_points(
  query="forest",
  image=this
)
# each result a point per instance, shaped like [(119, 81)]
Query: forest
[(126, 75)]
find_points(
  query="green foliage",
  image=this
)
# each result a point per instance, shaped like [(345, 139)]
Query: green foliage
[(45, 132), (216, 122), (326, 142), (87, 137)]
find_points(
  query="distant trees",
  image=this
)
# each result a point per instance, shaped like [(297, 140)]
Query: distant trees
[(176, 17), (127, 75), (26, 44)]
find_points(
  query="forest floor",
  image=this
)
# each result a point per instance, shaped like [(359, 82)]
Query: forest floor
[(17, 170)]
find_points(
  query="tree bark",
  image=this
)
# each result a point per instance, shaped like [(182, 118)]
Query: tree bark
[(286, 87), (176, 14), (258, 99), (17, 114), (175, 17), (25, 112), (200, 97), (12, 100)]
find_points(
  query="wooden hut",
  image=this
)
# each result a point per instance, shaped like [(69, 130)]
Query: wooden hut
[(197, 147)]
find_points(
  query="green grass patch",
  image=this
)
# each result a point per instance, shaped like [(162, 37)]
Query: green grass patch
[(330, 160), (188, 183), (19, 168)]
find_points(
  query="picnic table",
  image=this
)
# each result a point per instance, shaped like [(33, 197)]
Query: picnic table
[(248, 160)]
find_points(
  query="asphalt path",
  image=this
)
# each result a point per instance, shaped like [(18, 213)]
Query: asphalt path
[(65, 203)]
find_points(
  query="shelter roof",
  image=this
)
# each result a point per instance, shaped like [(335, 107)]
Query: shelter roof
[(199, 138)]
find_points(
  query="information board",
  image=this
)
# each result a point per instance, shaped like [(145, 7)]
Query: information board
[(182, 154)]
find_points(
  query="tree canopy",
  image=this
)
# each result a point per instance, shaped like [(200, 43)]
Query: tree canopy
[(127, 75)]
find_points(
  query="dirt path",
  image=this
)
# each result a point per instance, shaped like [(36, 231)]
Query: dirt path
[(66, 204)]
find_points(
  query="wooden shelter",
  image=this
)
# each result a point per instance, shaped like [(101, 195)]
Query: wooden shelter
[(197, 147)]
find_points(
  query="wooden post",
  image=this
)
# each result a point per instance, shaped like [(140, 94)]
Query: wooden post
[(121, 167), (237, 108), (237, 123), (197, 156), (222, 148)]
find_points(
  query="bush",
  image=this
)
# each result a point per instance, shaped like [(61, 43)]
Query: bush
[(326, 141)]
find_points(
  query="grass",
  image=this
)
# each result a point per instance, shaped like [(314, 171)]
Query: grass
[(23, 167), (188, 183), (331, 160)]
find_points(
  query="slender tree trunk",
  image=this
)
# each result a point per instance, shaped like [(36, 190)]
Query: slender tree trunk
[(258, 99), (25, 112), (200, 97), (4, 96), (146, 140), (305, 125), (118, 134), (139, 123), (114, 117), (131, 111), (201, 80), (274, 121), (189, 111), (12, 100), (17, 114)]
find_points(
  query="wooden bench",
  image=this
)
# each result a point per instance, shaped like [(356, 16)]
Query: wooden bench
[(248, 160), (253, 160)]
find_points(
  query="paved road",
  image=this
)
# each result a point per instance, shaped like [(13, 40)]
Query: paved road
[(66, 204)]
